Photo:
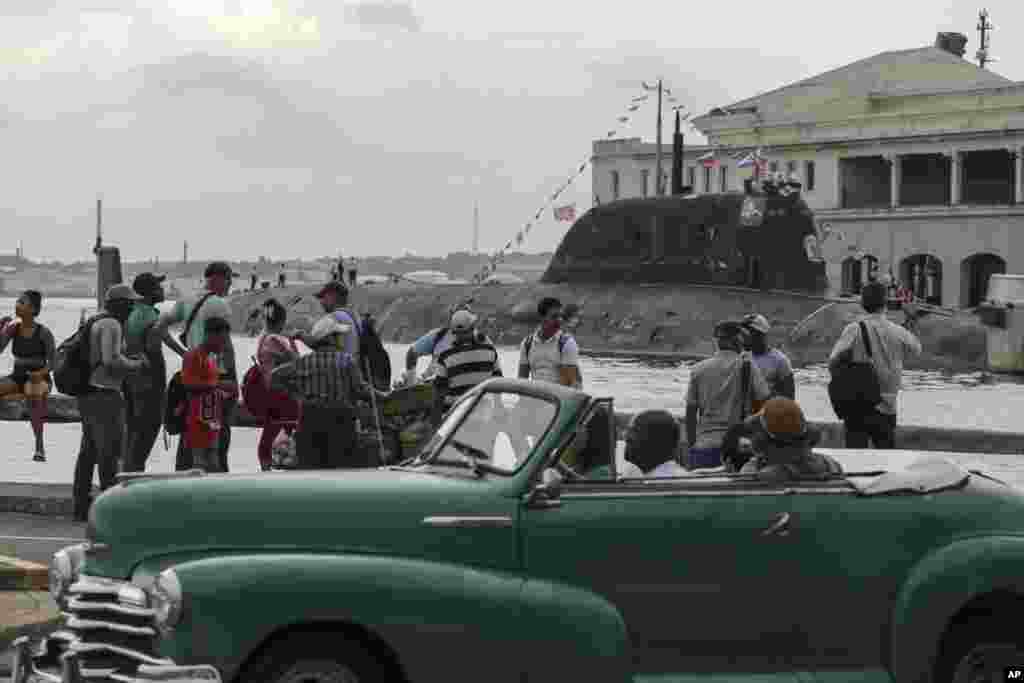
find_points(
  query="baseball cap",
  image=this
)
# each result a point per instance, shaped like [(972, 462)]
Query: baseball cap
[(144, 283), (121, 293), (757, 322), (332, 286), (219, 268), (462, 320)]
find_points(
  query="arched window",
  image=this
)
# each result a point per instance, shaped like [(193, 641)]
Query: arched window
[(975, 271), (922, 275)]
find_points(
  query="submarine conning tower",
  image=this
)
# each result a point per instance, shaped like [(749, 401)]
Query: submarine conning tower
[(761, 240)]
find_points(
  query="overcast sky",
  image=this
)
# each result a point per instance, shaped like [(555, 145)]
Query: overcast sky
[(298, 128)]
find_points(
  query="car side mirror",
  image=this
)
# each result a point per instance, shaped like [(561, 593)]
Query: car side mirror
[(546, 494)]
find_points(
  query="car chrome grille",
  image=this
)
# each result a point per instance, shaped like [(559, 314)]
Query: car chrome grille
[(112, 637)]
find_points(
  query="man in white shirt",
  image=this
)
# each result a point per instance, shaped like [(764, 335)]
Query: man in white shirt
[(890, 344), (652, 444), (549, 354)]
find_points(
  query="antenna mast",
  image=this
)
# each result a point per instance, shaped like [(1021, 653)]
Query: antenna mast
[(984, 27), (476, 229)]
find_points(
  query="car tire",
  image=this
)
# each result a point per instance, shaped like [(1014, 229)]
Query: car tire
[(313, 658), (973, 649)]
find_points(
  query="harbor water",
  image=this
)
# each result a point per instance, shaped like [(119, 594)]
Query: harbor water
[(935, 399)]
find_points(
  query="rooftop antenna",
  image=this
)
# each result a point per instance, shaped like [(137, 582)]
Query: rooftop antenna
[(984, 27)]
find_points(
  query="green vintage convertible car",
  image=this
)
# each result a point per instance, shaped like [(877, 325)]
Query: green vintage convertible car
[(485, 559)]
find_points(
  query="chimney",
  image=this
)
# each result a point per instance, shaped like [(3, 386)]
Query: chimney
[(953, 43)]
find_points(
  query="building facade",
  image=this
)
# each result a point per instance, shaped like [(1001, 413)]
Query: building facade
[(913, 162)]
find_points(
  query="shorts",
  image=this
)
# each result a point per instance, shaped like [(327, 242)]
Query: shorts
[(700, 458), (20, 377)]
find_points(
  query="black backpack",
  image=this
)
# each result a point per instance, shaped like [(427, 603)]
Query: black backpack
[(372, 354), (72, 367), (854, 389), (177, 397)]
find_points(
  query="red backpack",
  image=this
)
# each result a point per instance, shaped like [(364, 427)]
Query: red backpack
[(257, 397)]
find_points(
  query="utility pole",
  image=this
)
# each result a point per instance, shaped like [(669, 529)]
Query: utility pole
[(99, 226), (657, 162), (984, 27), (184, 253), (476, 229)]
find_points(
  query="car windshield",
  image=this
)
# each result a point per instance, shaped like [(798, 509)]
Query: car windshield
[(494, 431)]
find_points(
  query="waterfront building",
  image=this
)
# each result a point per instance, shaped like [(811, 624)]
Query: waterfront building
[(910, 159)]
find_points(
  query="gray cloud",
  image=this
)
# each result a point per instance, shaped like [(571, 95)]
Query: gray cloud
[(384, 14)]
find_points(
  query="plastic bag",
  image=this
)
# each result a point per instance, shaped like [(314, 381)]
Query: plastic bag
[(283, 453)]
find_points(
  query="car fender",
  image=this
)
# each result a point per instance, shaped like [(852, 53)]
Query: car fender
[(940, 585), (422, 610), (572, 634)]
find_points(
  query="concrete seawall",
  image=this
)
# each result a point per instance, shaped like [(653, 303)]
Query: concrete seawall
[(664, 319)]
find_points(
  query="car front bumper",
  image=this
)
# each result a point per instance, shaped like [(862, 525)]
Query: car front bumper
[(41, 663)]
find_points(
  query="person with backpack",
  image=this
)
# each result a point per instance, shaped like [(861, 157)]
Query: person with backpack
[(276, 408), (100, 401), (549, 354), (33, 348), (212, 303), (878, 345), (333, 297), (723, 391)]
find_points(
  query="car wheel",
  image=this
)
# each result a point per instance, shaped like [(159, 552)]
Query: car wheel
[(313, 658), (975, 650)]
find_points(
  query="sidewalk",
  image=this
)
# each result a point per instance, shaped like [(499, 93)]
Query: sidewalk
[(37, 499)]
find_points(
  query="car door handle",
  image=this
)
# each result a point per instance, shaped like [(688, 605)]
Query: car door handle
[(780, 527)]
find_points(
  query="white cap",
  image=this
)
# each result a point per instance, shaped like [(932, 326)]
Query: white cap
[(757, 322), (463, 320), (327, 326)]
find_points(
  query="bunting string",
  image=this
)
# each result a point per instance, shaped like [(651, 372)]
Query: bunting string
[(498, 256)]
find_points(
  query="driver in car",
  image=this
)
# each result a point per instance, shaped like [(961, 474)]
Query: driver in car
[(782, 444)]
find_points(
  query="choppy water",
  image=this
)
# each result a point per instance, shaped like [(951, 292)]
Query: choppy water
[(974, 400)]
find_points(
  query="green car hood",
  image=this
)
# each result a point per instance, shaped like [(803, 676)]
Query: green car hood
[(374, 511)]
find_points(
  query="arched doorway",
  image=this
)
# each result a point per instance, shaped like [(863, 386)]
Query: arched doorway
[(922, 275), (975, 271), (852, 275)]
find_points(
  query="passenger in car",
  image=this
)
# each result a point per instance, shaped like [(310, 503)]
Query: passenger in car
[(783, 443), (652, 443), (592, 455)]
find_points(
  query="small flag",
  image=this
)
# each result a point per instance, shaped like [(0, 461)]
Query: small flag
[(582, 168), (633, 108), (611, 133), (641, 98), (507, 246), (565, 213), (708, 160), (623, 119), (519, 238), (526, 230), (648, 87), (539, 213)]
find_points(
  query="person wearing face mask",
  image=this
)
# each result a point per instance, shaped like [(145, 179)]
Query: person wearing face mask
[(549, 354)]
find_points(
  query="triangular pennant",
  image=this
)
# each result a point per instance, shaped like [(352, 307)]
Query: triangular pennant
[(623, 119), (611, 133), (509, 245), (539, 213), (634, 107), (519, 238), (582, 167)]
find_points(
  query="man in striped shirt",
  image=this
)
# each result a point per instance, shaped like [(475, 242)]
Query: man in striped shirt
[(469, 361)]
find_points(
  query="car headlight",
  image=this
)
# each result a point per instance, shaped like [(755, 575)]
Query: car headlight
[(65, 566), (166, 600)]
